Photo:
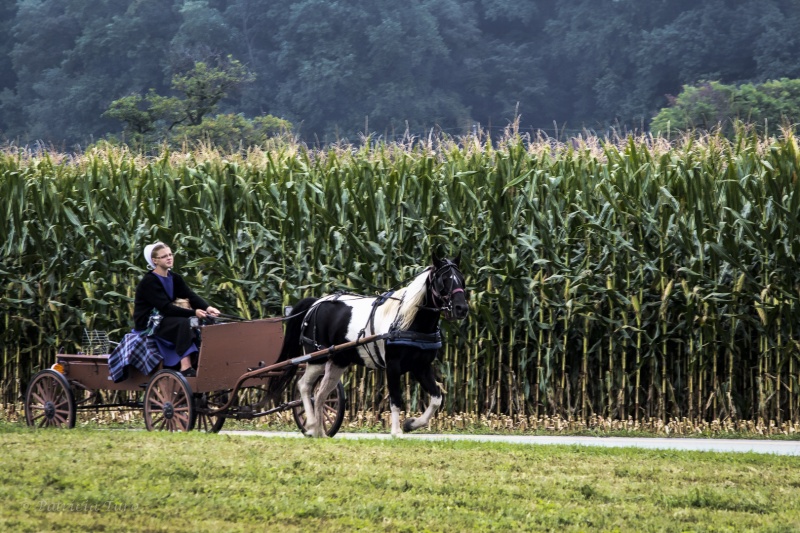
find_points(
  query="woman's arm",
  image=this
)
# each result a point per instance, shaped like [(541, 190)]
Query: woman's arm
[(154, 294), (182, 290)]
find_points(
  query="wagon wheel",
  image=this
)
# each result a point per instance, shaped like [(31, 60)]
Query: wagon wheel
[(49, 401), (333, 414), (210, 401), (168, 403)]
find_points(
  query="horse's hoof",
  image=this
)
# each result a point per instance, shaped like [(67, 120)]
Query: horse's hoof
[(313, 432), (408, 425)]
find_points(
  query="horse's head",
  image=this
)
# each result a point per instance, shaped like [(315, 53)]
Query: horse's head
[(447, 288)]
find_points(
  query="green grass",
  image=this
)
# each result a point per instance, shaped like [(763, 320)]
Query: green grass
[(87, 479)]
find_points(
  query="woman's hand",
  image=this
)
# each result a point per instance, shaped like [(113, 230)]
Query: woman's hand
[(208, 311)]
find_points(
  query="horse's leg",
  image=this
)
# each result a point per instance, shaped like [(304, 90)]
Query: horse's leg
[(330, 380), (427, 380), (306, 387), (395, 395)]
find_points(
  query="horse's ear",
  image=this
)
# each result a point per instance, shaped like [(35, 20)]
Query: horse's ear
[(457, 259), (436, 260)]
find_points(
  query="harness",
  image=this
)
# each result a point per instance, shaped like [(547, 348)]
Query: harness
[(445, 301), (310, 317), (395, 337), (422, 341), (375, 358)]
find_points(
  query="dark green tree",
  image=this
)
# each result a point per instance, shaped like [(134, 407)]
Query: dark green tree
[(338, 68), (72, 57), (8, 78), (341, 64), (777, 46)]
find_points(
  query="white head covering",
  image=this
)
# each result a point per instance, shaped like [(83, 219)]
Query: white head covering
[(148, 254)]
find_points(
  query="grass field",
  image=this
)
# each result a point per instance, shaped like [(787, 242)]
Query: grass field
[(90, 479)]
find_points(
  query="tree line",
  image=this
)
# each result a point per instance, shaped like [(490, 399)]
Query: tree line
[(335, 69)]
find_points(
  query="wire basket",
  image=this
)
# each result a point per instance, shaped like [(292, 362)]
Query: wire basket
[(95, 342)]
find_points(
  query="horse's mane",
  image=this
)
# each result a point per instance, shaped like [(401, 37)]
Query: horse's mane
[(405, 302)]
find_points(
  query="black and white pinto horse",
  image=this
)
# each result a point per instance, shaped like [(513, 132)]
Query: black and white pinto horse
[(408, 319)]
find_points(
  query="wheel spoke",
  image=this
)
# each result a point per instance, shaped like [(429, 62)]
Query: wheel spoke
[(169, 387), (44, 387), (181, 402), (65, 402), (158, 393), (52, 384), (155, 406), (38, 397), (183, 419)]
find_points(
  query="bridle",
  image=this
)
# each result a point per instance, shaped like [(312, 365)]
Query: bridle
[(442, 296)]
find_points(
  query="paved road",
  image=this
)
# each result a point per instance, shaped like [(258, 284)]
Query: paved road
[(777, 447)]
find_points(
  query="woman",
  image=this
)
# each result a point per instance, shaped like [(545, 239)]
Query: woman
[(156, 292)]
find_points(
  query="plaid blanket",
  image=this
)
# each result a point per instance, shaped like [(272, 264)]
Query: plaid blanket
[(137, 350)]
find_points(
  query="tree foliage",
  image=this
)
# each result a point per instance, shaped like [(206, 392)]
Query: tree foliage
[(714, 104), (154, 117), (233, 130), (336, 69), (203, 87)]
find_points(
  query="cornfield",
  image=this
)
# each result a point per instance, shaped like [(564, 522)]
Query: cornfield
[(629, 279)]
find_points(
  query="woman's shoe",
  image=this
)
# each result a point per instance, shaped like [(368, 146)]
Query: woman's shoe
[(189, 373)]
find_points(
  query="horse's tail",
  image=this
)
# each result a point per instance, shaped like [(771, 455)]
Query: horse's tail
[(292, 346)]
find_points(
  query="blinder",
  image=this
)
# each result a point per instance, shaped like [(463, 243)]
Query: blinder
[(445, 282)]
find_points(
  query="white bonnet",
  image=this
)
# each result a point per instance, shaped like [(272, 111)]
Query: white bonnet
[(148, 254)]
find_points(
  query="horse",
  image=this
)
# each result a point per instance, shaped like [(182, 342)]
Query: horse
[(407, 321)]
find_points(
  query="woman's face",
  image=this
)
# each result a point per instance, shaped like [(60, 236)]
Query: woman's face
[(164, 258)]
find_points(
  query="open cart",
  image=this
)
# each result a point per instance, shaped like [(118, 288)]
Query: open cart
[(236, 366)]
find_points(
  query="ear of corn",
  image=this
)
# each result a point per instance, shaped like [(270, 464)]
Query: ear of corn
[(625, 279)]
